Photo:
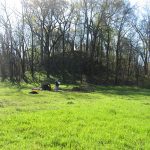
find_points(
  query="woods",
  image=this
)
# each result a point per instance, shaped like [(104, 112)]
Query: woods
[(100, 41)]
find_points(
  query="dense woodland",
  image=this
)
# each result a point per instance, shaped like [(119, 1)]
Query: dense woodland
[(97, 41)]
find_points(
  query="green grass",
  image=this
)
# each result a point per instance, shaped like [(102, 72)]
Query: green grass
[(110, 118)]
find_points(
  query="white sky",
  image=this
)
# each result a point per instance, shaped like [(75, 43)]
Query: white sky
[(139, 2), (15, 4)]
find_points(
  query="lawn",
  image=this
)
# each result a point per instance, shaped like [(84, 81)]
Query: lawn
[(109, 118)]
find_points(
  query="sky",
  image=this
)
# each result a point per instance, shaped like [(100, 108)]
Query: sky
[(139, 2), (15, 4)]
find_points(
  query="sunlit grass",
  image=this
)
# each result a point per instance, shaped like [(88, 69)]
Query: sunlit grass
[(108, 118)]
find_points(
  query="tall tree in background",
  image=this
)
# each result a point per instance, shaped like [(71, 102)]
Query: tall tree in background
[(100, 41)]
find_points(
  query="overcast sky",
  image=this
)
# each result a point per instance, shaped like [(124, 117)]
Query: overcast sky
[(140, 2), (16, 3)]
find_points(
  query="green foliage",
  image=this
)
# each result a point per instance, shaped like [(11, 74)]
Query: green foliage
[(39, 77), (107, 118)]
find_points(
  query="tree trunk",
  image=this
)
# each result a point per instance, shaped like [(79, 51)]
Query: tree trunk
[(32, 56)]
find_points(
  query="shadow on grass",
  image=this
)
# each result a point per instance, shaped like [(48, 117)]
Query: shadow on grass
[(122, 90), (113, 90)]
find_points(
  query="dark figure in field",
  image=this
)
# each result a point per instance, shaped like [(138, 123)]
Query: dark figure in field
[(57, 83), (34, 92), (46, 86)]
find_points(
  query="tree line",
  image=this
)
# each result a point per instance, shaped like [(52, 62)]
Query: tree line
[(100, 41)]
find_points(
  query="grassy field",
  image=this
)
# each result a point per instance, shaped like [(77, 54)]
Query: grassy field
[(110, 118)]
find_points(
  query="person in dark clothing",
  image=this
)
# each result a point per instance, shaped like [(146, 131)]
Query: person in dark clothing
[(46, 86)]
